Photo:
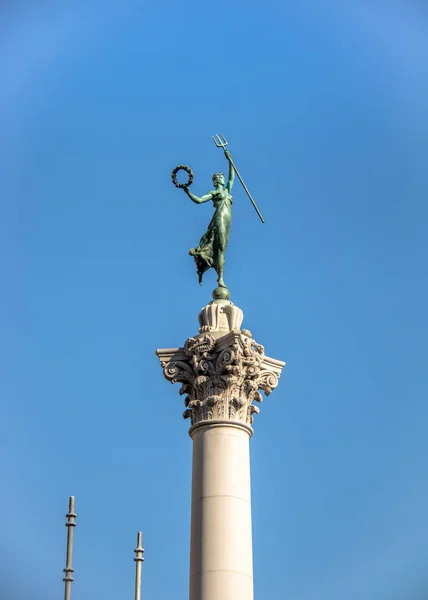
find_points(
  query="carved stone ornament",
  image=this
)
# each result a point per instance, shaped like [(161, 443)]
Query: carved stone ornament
[(221, 377), (220, 317)]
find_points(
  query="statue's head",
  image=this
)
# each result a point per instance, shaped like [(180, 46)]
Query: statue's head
[(218, 178)]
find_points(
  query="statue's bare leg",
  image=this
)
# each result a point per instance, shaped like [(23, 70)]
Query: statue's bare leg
[(220, 249), (220, 269)]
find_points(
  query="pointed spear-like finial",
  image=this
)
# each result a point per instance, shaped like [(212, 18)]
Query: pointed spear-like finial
[(68, 579), (221, 142), (138, 564)]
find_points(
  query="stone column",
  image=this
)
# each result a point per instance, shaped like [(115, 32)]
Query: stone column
[(221, 371)]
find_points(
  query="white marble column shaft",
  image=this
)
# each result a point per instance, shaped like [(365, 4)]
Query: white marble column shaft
[(221, 564)]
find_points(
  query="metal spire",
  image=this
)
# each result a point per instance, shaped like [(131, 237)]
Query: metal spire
[(138, 564), (68, 579)]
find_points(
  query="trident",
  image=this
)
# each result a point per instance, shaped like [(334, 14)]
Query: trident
[(221, 142)]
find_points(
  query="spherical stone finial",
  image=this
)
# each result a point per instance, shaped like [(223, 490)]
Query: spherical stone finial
[(221, 293)]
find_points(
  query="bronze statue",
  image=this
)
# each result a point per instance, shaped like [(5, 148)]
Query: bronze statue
[(212, 246)]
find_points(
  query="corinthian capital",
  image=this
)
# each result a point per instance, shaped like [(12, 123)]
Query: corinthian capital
[(222, 376)]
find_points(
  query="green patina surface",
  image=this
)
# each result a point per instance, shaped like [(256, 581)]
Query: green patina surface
[(212, 246)]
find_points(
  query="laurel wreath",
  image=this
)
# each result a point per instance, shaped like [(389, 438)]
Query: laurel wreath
[(174, 176)]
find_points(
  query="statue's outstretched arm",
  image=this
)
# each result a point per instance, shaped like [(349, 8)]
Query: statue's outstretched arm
[(231, 170), (196, 199)]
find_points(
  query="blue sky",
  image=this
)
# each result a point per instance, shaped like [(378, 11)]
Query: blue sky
[(325, 107)]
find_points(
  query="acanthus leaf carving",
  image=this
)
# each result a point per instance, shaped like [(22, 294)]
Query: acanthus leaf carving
[(221, 377)]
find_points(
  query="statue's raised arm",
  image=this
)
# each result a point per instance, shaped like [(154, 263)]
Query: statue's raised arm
[(221, 142), (231, 170)]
